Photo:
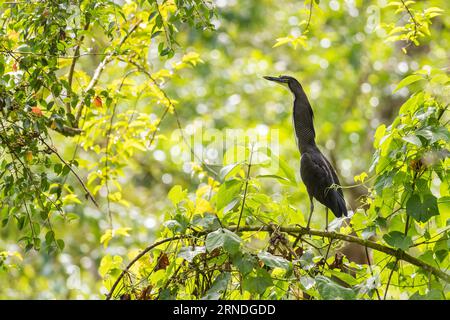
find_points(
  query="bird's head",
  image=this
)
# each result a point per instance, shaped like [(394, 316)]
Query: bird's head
[(287, 81)]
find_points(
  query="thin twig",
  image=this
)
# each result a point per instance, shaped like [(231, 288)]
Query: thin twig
[(413, 19), (390, 277), (370, 269), (140, 255), (79, 107), (309, 17), (245, 188), (108, 134), (170, 106), (88, 193)]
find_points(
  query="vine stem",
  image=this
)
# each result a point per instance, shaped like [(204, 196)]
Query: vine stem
[(245, 189), (405, 234), (371, 271), (309, 16)]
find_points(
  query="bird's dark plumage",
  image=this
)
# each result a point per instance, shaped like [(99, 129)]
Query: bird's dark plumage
[(317, 173), (319, 178)]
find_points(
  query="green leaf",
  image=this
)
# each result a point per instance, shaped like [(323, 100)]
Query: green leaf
[(286, 169), (413, 139), (273, 176), (422, 208), (223, 238), (65, 171), (152, 15), (60, 243), (307, 282), (244, 262), (259, 283), (347, 278), (155, 34), (227, 193), (176, 194), (173, 225), (407, 81), (231, 205), (432, 294), (229, 169), (49, 237), (189, 253), (207, 222), (441, 247), (397, 239), (329, 290), (23, 48), (274, 261), (218, 287)]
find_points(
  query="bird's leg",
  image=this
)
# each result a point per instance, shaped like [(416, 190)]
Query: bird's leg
[(311, 209), (326, 219)]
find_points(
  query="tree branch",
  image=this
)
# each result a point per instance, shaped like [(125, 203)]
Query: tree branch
[(74, 62), (399, 254), (140, 255)]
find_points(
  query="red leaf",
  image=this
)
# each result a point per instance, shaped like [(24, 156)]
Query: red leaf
[(98, 102), (37, 111)]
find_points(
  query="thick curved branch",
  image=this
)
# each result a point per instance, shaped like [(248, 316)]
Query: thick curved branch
[(399, 254)]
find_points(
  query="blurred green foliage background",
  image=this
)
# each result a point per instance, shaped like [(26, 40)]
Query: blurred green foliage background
[(346, 65)]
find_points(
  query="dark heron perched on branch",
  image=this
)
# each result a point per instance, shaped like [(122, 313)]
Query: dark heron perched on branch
[(317, 173)]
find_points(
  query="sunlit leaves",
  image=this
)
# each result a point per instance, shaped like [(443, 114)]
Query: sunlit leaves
[(176, 194), (111, 233), (417, 27), (361, 177), (294, 41), (228, 193), (407, 81), (124, 150), (109, 264), (258, 282)]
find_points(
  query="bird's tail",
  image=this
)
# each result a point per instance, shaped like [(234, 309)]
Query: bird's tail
[(339, 207)]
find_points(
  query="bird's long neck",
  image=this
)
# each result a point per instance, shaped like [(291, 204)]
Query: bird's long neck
[(303, 120)]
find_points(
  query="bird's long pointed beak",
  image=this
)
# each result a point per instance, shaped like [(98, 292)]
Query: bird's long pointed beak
[(276, 79)]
